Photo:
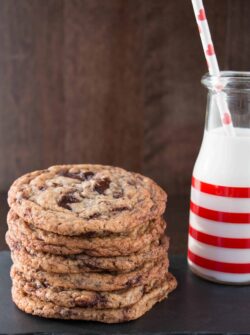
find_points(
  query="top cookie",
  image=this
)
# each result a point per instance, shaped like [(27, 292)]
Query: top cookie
[(78, 199)]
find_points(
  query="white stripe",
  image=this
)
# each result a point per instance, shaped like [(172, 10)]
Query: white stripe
[(223, 204), (221, 276), (227, 255), (222, 229)]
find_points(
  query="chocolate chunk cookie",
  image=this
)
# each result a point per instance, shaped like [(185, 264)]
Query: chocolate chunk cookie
[(84, 263), (88, 243), (110, 245), (82, 298), (95, 281), (33, 305), (77, 199)]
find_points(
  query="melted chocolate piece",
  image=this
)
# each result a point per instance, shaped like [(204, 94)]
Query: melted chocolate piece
[(42, 188), (56, 184), (66, 200), (120, 209), (98, 300), (94, 216), (45, 284), (82, 176), (133, 282), (89, 175), (102, 185)]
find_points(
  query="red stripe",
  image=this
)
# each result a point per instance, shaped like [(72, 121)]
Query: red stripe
[(219, 216), (222, 191), (222, 242), (218, 266)]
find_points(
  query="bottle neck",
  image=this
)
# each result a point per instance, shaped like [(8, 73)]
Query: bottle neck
[(238, 103), (235, 89)]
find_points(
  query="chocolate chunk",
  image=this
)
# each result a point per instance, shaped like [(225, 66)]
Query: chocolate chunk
[(98, 300), (133, 282), (85, 304), (120, 209), (94, 216), (74, 175), (90, 234), (89, 175), (82, 176), (24, 196), (66, 200), (102, 185), (45, 284), (101, 299), (56, 184), (42, 188)]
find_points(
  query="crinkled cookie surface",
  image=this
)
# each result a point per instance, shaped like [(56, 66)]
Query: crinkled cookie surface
[(77, 199)]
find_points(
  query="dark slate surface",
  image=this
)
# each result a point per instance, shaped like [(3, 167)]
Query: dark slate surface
[(196, 306)]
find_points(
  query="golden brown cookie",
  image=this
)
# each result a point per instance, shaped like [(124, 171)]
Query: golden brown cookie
[(35, 306), (110, 245), (76, 199), (84, 263), (95, 281), (82, 298)]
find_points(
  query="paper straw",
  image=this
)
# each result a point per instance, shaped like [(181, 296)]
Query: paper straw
[(212, 63)]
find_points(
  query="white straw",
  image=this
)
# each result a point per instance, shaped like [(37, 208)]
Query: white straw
[(212, 63)]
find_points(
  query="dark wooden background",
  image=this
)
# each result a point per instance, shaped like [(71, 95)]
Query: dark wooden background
[(110, 81)]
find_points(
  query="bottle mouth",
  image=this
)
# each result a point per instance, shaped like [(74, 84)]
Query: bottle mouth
[(228, 81)]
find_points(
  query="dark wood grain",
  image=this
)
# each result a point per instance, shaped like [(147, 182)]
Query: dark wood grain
[(114, 82), (175, 102), (103, 99), (238, 29), (71, 84), (3, 224)]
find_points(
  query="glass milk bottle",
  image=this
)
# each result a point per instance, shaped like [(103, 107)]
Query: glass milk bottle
[(219, 225)]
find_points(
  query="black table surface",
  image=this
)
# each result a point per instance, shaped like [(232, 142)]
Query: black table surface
[(196, 306)]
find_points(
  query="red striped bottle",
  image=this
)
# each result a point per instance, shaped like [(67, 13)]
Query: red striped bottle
[(219, 225)]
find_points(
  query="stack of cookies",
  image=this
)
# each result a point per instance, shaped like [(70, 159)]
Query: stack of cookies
[(88, 243)]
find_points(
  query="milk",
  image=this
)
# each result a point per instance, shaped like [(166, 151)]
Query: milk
[(225, 161)]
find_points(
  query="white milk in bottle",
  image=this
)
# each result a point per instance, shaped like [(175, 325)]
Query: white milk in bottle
[(219, 226)]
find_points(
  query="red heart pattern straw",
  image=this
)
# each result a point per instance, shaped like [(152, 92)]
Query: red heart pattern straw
[(212, 63)]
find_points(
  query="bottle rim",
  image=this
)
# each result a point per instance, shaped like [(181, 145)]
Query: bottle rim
[(228, 81)]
